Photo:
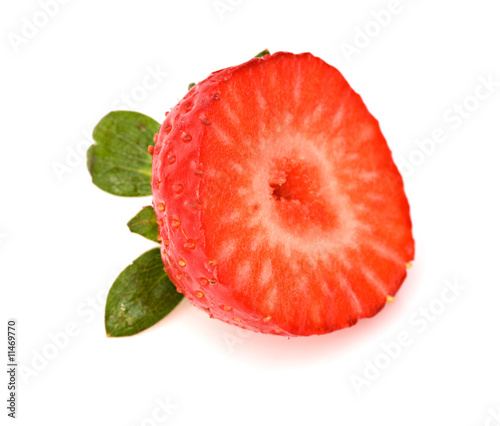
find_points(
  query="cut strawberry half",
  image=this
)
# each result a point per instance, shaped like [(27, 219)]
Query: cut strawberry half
[(279, 205)]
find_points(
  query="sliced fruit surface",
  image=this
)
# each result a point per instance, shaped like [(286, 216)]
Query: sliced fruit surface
[(279, 206)]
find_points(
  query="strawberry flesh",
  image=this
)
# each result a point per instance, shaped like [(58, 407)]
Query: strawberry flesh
[(282, 209)]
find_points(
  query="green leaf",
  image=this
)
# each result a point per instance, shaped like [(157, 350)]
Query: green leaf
[(119, 161), (144, 223), (263, 53), (191, 85), (141, 296)]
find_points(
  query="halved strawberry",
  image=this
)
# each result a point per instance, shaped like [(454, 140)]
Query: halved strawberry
[(279, 205)]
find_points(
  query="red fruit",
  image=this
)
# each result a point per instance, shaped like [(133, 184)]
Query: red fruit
[(282, 209)]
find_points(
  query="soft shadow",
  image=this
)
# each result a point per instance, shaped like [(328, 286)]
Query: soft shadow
[(270, 350)]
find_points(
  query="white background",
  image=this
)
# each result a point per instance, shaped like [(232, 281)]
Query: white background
[(63, 241)]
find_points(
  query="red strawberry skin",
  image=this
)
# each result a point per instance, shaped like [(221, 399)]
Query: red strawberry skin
[(279, 206)]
